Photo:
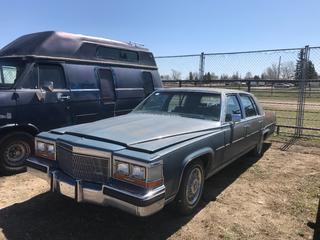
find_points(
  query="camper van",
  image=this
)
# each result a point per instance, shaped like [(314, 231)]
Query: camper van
[(55, 79)]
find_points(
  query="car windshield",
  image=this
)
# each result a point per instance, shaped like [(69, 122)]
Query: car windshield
[(186, 104), (10, 71)]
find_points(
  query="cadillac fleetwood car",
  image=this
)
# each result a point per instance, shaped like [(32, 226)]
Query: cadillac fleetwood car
[(159, 153)]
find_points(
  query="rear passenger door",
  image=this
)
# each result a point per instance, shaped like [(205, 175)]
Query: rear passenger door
[(253, 121)]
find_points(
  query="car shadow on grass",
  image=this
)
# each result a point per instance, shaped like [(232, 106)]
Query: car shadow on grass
[(48, 216)]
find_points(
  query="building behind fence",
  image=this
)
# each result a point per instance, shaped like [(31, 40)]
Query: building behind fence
[(285, 80)]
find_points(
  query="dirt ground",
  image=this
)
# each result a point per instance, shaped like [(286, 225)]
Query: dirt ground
[(274, 197)]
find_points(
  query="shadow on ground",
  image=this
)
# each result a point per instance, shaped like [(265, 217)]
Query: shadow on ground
[(48, 216)]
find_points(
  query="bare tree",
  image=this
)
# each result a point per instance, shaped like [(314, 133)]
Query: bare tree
[(175, 75), (271, 72), (287, 70), (248, 75)]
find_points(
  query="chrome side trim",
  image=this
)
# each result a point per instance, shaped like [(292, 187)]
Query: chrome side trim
[(239, 139)]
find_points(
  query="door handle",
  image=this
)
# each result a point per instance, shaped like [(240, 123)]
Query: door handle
[(246, 126), (64, 98)]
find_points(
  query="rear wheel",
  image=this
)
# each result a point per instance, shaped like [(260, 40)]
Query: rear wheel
[(14, 149), (258, 150), (191, 188)]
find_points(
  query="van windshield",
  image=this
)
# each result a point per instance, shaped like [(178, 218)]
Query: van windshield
[(10, 71)]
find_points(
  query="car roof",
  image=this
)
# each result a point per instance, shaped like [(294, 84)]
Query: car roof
[(203, 90)]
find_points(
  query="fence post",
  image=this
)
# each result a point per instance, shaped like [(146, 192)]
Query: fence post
[(201, 66), (249, 85), (303, 78)]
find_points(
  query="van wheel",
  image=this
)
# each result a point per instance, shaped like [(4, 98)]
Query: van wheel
[(191, 188), (14, 149)]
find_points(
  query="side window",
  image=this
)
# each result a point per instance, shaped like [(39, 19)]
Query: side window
[(106, 85), (117, 54), (233, 106), (248, 105), (51, 74), (82, 77), (147, 83), (31, 80)]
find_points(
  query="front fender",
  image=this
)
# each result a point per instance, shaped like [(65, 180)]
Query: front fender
[(194, 155)]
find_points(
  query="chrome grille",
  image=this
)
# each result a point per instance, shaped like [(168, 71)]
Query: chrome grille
[(80, 166)]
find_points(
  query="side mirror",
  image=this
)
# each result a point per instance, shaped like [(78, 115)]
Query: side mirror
[(48, 86), (233, 117)]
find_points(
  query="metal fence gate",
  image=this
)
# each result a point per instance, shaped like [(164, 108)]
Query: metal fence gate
[(286, 81)]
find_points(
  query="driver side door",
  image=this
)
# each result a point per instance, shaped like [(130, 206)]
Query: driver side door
[(43, 106)]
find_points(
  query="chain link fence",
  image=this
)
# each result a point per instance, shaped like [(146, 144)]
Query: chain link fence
[(286, 81)]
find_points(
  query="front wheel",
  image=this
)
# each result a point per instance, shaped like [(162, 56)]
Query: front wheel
[(14, 149), (191, 188)]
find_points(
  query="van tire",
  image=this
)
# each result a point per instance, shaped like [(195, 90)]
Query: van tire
[(182, 205), (14, 150)]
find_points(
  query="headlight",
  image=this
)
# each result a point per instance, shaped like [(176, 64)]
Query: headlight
[(138, 172), (45, 149), (142, 174), (121, 168), (40, 146)]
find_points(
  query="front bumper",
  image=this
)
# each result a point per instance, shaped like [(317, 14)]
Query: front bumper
[(114, 193)]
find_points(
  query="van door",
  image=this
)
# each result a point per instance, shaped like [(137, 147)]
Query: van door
[(107, 91), (44, 100), (147, 81)]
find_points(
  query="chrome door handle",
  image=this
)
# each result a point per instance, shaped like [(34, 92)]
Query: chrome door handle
[(63, 98)]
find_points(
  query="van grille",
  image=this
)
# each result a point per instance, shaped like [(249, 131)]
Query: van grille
[(82, 167)]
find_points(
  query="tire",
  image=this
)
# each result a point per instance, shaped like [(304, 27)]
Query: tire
[(258, 150), (192, 184), (14, 150)]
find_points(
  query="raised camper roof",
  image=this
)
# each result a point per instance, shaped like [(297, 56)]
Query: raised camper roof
[(68, 46)]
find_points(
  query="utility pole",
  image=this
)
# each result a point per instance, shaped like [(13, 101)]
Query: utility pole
[(279, 67), (201, 66)]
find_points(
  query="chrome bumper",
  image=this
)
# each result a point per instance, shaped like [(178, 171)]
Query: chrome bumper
[(106, 195)]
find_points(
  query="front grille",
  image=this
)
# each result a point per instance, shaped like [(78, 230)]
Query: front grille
[(82, 167)]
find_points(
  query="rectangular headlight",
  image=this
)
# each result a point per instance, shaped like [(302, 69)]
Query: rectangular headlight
[(121, 168), (45, 149), (145, 175), (138, 172)]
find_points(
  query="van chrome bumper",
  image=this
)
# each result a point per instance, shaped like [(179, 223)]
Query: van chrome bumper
[(106, 195)]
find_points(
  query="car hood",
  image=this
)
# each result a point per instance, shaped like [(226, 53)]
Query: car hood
[(150, 132)]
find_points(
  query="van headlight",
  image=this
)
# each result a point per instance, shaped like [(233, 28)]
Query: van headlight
[(45, 149), (141, 174)]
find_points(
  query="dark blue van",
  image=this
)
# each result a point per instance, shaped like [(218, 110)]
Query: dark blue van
[(54, 79)]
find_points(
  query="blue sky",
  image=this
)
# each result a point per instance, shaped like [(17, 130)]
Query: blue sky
[(172, 27)]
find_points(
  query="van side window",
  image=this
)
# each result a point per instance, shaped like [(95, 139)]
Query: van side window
[(233, 106), (147, 83), (106, 85), (117, 54), (82, 77), (248, 105), (51, 73)]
